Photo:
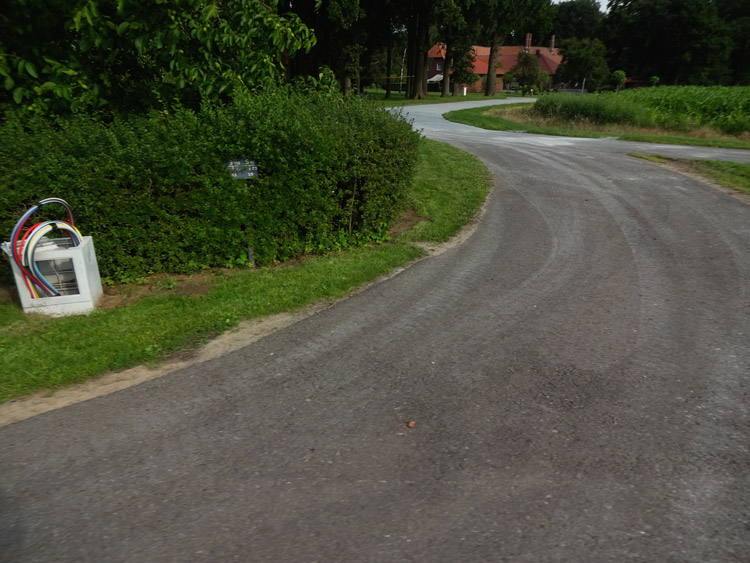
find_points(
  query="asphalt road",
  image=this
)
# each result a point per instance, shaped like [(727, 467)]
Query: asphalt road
[(577, 372)]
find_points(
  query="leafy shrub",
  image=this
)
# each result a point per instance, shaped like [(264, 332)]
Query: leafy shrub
[(60, 56), (155, 195)]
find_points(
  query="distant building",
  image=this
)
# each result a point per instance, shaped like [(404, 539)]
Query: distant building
[(549, 59)]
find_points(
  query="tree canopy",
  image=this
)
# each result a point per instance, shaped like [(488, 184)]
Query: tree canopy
[(578, 19), (132, 55), (682, 41), (510, 20), (129, 55), (528, 74), (736, 14), (583, 59)]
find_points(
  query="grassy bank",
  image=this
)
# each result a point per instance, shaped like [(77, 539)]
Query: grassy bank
[(735, 175), (523, 118), (730, 174), (176, 314), (514, 117)]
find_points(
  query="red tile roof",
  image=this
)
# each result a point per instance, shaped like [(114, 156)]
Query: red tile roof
[(437, 51), (549, 59)]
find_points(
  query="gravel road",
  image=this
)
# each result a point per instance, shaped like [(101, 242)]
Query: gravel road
[(577, 374)]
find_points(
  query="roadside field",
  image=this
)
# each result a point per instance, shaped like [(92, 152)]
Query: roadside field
[(725, 109)]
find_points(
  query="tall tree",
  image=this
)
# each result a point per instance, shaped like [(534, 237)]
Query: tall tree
[(463, 69), (682, 41), (499, 23), (458, 30), (512, 18), (418, 21), (338, 26), (736, 15), (528, 73), (579, 19), (388, 29), (583, 59)]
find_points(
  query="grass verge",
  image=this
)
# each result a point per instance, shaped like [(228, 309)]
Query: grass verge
[(735, 175), (44, 353), (446, 209), (498, 119), (657, 158), (731, 174)]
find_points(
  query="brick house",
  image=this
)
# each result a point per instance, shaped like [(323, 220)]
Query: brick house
[(549, 59)]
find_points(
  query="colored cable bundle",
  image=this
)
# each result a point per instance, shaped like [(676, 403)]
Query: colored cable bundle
[(23, 250)]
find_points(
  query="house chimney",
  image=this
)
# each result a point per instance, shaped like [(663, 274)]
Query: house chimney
[(528, 42), (552, 44)]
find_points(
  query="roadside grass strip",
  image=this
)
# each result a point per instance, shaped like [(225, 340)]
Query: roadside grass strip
[(730, 174), (446, 210), (38, 352), (657, 158), (489, 118), (735, 175)]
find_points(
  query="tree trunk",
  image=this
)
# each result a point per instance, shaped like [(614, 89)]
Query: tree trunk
[(489, 87), (447, 67), (411, 48), (358, 76), (388, 59), (422, 75), (417, 47)]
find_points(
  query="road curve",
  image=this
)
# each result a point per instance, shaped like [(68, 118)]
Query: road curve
[(577, 373)]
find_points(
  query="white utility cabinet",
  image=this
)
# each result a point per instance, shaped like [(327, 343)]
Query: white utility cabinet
[(71, 269)]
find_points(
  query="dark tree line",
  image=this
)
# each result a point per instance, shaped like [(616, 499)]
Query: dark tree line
[(680, 41), (63, 55), (406, 29)]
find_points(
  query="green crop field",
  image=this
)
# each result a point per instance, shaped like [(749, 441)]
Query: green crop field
[(679, 108)]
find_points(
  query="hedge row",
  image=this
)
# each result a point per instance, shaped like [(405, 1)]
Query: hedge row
[(155, 194)]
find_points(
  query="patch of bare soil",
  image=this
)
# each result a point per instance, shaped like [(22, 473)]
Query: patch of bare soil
[(190, 285), (7, 294), (406, 221), (122, 295)]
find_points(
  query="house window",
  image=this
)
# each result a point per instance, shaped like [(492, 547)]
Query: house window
[(438, 66)]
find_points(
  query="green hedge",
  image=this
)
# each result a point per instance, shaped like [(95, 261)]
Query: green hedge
[(155, 195)]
